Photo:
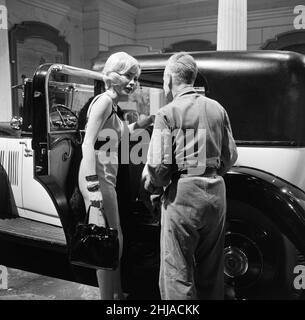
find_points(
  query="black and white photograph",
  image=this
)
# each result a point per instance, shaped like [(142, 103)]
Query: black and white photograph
[(153, 151)]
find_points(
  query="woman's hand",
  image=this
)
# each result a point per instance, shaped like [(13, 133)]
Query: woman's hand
[(96, 216), (145, 121)]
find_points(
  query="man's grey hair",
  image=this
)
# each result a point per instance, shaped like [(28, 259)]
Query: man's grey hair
[(183, 67)]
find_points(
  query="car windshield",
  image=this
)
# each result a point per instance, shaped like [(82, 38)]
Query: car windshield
[(65, 103)]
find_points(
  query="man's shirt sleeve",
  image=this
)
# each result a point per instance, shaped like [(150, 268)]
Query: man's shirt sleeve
[(228, 151), (159, 156)]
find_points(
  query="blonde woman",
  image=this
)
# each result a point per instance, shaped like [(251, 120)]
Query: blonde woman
[(98, 168)]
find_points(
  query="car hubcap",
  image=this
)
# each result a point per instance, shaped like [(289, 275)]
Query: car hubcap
[(235, 262)]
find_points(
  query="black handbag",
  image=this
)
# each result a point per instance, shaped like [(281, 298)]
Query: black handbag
[(94, 247)]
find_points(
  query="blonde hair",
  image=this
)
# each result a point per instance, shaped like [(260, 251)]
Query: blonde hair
[(118, 64), (183, 67)]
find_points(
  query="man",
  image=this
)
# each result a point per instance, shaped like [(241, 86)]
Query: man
[(191, 148)]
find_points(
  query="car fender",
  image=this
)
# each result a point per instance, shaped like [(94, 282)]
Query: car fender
[(280, 201)]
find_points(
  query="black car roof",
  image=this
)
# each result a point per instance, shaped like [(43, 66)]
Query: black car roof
[(222, 63), (262, 91)]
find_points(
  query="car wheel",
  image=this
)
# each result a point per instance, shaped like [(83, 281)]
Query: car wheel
[(258, 259)]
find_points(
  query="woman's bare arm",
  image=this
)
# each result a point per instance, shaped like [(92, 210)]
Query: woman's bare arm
[(99, 113)]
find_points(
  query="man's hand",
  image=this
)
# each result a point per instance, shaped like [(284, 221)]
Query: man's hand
[(148, 185), (155, 200), (151, 188), (144, 121)]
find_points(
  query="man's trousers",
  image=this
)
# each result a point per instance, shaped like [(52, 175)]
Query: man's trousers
[(192, 239)]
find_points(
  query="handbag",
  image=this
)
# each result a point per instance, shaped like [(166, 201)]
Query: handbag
[(94, 246)]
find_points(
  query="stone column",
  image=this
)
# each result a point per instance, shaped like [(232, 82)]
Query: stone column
[(5, 76), (232, 25)]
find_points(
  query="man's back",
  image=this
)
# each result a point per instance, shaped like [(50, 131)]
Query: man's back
[(185, 116)]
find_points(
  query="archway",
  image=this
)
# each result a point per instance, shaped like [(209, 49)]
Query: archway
[(33, 43)]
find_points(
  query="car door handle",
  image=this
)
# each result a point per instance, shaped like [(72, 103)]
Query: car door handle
[(28, 152)]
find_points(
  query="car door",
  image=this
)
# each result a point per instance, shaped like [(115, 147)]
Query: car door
[(36, 201)]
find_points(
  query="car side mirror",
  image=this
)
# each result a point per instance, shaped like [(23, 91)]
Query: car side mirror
[(16, 123)]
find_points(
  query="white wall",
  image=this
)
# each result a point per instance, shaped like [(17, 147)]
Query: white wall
[(95, 25), (164, 25), (107, 23), (65, 16), (161, 26), (267, 21), (89, 26)]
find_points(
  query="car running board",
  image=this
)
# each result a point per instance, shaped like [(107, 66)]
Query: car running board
[(33, 233)]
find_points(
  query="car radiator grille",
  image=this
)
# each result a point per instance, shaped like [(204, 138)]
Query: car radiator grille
[(10, 163)]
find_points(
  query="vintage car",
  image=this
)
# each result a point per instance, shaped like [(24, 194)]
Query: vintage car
[(263, 93)]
